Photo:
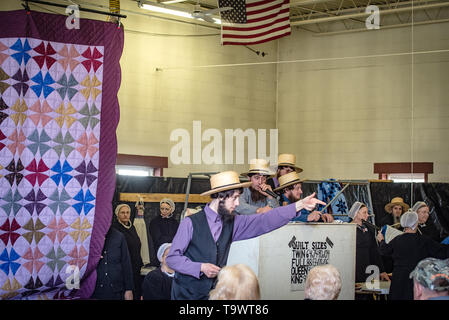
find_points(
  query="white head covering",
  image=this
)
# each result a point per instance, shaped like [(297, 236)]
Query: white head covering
[(419, 205), (170, 203), (409, 219), (355, 208), (161, 250), (117, 209)]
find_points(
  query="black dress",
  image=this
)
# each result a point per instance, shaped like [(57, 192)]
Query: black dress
[(387, 260), (407, 250), (114, 271), (134, 246), (157, 286), (162, 230), (430, 230), (367, 253)]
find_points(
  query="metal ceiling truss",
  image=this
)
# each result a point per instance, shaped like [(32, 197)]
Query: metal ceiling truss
[(337, 16)]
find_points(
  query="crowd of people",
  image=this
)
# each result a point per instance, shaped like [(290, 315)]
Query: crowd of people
[(192, 255)]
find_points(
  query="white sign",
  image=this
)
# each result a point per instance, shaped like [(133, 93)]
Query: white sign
[(282, 258)]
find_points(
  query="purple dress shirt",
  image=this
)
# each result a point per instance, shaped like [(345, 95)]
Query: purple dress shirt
[(245, 227)]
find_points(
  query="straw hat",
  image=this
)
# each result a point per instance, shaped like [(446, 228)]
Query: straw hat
[(224, 181), (288, 180), (396, 201), (259, 166), (289, 160)]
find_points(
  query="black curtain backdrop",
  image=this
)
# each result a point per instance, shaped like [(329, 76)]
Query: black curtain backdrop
[(131, 184), (436, 195)]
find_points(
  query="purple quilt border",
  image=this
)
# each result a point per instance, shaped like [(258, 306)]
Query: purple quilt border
[(19, 23)]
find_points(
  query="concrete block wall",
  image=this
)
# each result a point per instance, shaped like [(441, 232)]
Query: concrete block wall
[(339, 116)]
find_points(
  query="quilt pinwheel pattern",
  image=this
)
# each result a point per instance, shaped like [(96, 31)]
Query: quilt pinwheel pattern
[(58, 115)]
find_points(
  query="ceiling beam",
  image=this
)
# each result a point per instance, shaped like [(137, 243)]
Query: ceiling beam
[(383, 27), (364, 14)]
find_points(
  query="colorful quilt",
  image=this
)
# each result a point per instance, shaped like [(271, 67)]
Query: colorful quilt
[(327, 191), (58, 116)]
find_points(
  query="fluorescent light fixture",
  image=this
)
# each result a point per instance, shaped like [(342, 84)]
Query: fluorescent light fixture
[(161, 8), (131, 172), (137, 171), (407, 177)]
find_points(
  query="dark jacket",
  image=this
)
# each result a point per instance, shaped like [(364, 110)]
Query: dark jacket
[(430, 230), (407, 250), (157, 286), (163, 230), (134, 246), (114, 273)]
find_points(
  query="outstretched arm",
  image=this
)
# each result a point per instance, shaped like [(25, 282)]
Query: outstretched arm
[(247, 227)]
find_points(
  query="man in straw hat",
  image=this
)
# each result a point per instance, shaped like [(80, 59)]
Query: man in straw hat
[(255, 198), (395, 208), (201, 245), (291, 190), (286, 164)]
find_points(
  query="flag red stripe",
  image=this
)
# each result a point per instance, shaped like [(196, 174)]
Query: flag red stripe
[(255, 28), (238, 36), (250, 13), (271, 16), (256, 42), (264, 2)]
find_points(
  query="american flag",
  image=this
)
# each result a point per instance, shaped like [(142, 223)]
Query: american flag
[(254, 21)]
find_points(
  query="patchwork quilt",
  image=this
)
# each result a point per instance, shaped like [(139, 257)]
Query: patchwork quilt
[(58, 116)]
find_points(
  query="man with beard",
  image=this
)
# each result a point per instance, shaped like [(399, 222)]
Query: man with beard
[(255, 199), (291, 191), (395, 208), (201, 245)]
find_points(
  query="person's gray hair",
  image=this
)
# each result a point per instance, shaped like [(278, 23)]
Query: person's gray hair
[(323, 283), (236, 282)]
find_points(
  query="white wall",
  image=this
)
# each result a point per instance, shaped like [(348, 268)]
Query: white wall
[(338, 116), (341, 116), (154, 103)]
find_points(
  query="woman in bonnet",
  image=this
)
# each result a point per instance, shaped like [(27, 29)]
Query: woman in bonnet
[(125, 226), (163, 228)]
